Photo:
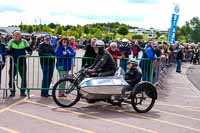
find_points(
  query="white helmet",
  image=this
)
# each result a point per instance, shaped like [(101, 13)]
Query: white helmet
[(125, 40), (100, 43)]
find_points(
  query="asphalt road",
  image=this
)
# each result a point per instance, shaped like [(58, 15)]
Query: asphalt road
[(193, 75)]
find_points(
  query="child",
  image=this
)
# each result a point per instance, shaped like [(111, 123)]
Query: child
[(132, 76)]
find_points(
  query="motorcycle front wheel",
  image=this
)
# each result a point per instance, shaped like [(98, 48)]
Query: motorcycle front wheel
[(65, 93)]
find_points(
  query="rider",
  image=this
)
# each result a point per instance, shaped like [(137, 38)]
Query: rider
[(132, 76), (104, 64)]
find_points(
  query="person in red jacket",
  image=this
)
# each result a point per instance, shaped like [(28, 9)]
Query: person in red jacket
[(114, 51)]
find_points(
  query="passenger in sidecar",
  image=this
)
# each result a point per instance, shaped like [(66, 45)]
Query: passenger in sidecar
[(133, 76)]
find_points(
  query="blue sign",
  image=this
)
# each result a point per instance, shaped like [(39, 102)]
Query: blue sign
[(174, 21)]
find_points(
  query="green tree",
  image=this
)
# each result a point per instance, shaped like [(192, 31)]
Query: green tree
[(59, 30), (137, 37), (123, 30), (191, 30), (52, 25), (30, 29)]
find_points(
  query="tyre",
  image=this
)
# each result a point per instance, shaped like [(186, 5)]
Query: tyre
[(65, 93), (143, 97)]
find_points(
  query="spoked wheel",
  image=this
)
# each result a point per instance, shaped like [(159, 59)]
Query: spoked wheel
[(65, 93), (143, 97)]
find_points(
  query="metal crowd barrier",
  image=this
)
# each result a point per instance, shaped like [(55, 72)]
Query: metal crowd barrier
[(5, 67), (32, 74)]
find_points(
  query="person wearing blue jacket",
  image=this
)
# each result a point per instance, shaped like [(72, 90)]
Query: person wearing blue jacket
[(146, 64), (3, 53), (64, 54)]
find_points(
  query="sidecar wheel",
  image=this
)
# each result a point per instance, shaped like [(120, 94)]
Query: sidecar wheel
[(143, 97)]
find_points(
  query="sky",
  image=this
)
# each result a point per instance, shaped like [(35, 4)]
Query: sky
[(141, 13)]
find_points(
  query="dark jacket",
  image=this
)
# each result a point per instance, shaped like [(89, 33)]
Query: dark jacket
[(46, 50), (104, 62), (133, 76), (3, 51), (64, 62), (179, 55), (89, 52), (125, 49)]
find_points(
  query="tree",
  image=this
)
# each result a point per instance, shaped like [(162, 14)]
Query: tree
[(59, 30), (137, 37), (30, 29), (191, 30), (123, 30), (52, 25)]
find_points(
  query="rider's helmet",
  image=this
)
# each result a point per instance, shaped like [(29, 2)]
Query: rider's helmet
[(100, 43)]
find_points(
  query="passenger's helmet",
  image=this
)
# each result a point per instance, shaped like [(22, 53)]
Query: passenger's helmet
[(100, 43), (132, 61)]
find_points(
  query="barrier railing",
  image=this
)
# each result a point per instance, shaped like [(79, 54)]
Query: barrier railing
[(41, 72), (6, 71)]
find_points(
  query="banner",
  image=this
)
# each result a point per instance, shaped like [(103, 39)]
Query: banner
[(174, 21)]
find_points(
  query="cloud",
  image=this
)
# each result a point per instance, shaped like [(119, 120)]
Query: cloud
[(141, 13), (9, 9), (143, 1)]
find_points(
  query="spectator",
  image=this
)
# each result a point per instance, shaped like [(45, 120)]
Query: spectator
[(89, 52), (146, 63), (18, 47), (195, 55), (136, 50), (114, 51), (3, 53), (72, 42), (73, 45), (64, 52), (47, 64), (126, 50), (179, 58)]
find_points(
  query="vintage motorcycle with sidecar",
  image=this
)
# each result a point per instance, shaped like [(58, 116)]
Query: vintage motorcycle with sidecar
[(108, 89)]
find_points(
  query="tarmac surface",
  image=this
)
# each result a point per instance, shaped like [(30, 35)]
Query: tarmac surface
[(193, 74)]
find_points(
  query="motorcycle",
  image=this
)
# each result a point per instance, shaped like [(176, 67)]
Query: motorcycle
[(108, 89)]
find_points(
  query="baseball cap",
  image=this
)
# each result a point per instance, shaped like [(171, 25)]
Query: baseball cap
[(47, 37)]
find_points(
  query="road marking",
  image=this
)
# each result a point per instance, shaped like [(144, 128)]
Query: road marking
[(12, 105), (50, 121), (96, 117), (182, 107), (149, 118), (157, 120), (8, 130), (178, 115)]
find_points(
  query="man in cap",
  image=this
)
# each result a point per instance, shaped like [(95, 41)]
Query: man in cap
[(47, 64), (104, 64)]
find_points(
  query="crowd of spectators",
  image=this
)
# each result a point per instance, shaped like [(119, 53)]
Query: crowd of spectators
[(155, 55)]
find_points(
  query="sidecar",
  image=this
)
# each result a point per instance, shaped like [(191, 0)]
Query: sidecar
[(102, 87)]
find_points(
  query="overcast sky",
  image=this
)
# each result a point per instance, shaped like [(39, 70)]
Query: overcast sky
[(142, 13)]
